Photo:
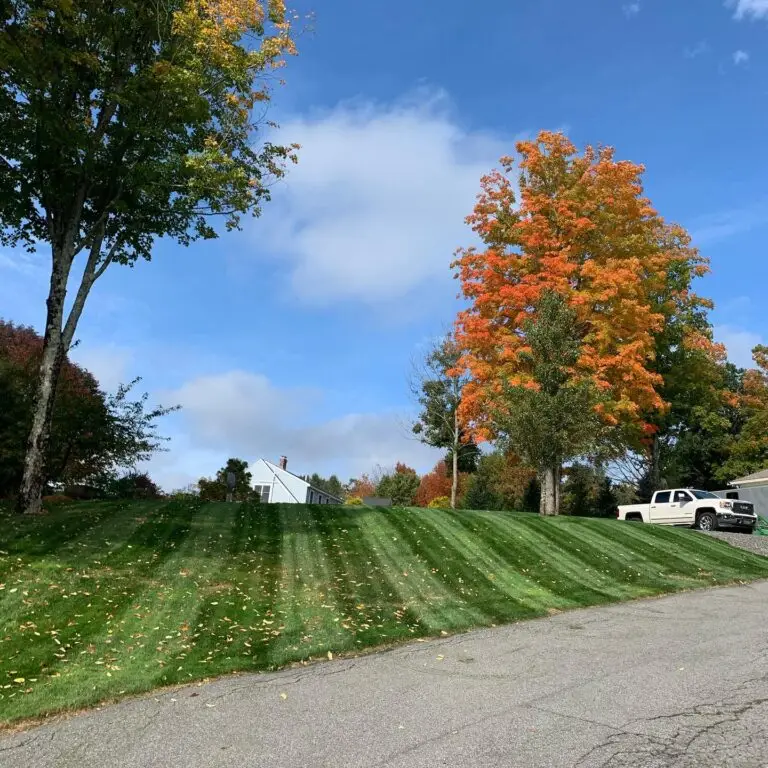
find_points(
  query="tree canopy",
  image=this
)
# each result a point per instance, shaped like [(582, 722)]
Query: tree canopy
[(94, 434), (123, 122), (216, 489)]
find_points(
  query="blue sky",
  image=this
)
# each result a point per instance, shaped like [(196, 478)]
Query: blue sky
[(295, 336)]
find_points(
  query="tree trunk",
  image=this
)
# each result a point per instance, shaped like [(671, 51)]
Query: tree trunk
[(549, 478), (550, 493), (31, 492), (654, 473), (455, 459)]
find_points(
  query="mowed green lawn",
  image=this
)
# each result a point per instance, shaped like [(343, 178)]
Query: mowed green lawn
[(100, 600)]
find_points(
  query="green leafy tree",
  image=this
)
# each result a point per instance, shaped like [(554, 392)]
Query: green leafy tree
[(400, 486), (438, 385), (748, 452), (588, 492), (120, 123), (216, 489), (554, 418), (502, 482), (134, 485), (332, 485), (684, 442)]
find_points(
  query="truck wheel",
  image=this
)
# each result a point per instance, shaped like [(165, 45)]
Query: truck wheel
[(707, 521)]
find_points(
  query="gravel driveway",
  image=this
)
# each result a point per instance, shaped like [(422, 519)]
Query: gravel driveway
[(757, 544)]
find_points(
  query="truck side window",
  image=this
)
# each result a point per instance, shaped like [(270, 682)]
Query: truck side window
[(662, 497), (681, 497)]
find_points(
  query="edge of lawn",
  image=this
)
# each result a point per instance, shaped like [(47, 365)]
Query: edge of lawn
[(24, 724)]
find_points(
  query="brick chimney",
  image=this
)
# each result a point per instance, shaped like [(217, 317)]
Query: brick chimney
[(283, 462)]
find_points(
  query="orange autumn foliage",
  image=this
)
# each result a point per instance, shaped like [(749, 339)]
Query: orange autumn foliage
[(584, 229), (436, 484)]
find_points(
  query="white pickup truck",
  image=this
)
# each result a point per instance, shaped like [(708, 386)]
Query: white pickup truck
[(685, 506)]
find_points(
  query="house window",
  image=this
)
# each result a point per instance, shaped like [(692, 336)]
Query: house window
[(263, 491)]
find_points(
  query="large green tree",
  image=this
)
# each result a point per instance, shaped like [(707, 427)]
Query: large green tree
[(122, 121), (696, 384), (553, 417)]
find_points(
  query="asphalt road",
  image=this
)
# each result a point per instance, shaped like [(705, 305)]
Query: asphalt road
[(679, 681)]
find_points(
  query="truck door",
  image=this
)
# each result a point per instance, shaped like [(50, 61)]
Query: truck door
[(660, 507), (686, 509)]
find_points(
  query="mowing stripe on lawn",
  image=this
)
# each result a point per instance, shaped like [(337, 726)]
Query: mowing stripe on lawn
[(308, 620), (564, 570), (644, 554), (416, 588), (490, 572), (176, 591)]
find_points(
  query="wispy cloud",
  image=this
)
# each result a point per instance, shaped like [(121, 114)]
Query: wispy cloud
[(709, 229), (697, 50), (754, 9), (21, 262), (244, 413), (631, 9), (740, 57)]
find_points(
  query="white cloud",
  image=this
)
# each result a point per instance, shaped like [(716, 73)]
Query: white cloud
[(756, 9), (22, 262), (740, 57), (739, 343), (699, 49), (376, 206), (108, 363), (243, 414), (719, 226), (631, 9)]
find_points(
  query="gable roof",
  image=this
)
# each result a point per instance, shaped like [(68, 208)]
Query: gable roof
[(276, 468), (753, 479)]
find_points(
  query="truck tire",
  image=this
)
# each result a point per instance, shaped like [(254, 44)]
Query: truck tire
[(707, 521), (634, 517)]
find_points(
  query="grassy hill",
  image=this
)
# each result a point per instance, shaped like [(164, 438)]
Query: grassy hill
[(104, 599)]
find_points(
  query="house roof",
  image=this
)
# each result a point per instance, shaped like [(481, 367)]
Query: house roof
[(753, 479), (276, 467)]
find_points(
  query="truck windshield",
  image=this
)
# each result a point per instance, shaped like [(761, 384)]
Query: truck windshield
[(704, 495)]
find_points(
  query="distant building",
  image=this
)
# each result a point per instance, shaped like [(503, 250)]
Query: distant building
[(377, 501), (276, 485), (752, 488)]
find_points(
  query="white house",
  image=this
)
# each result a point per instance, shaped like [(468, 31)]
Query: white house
[(752, 488), (277, 485)]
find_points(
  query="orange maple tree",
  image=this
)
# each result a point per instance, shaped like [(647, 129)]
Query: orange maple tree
[(583, 229), (437, 484)]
